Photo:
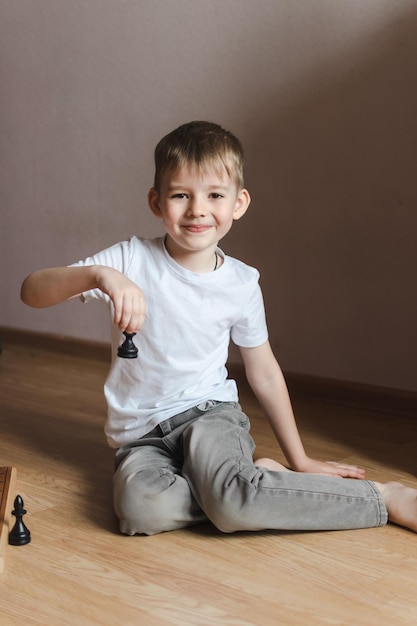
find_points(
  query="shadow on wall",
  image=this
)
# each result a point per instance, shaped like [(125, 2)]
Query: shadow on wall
[(334, 217)]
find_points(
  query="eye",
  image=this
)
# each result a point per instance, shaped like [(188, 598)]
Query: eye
[(216, 196), (180, 196)]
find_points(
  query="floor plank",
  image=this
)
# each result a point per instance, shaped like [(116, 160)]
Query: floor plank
[(79, 570)]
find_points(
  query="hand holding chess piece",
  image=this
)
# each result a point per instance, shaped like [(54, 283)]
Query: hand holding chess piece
[(128, 350), (19, 535)]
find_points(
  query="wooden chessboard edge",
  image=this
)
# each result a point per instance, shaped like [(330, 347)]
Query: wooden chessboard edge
[(7, 499)]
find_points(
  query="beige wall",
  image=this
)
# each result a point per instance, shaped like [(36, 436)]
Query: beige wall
[(323, 95)]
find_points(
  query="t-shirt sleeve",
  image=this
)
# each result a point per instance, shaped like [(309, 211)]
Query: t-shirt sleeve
[(251, 330), (116, 257)]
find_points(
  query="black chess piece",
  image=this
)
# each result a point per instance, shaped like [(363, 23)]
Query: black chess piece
[(20, 534), (128, 350)]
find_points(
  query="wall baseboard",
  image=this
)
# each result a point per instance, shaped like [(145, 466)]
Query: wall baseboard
[(54, 343), (347, 393)]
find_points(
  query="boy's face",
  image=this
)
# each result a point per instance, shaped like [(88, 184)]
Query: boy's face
[(197, 208)]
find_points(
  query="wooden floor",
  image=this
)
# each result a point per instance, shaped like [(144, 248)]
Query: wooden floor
[(79, 571)]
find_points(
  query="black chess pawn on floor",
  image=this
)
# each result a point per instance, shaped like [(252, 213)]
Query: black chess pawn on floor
[(19, 535), (128, 350)]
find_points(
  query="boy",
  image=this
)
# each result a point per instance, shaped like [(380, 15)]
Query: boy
[(183, 449)]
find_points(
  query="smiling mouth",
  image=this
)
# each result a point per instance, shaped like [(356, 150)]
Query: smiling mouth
[(196, 228)]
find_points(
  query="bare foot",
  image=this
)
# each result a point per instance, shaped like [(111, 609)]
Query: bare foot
[(401, 503), (270, 464)]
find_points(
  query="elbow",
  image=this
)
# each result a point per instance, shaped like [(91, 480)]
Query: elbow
[(27, 292)]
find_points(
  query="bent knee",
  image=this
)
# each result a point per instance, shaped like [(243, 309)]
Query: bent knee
[(146, 520), (151, 501), (225, 517), (139, 501)]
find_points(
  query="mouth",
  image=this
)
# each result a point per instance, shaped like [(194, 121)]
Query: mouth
[(196, 228)]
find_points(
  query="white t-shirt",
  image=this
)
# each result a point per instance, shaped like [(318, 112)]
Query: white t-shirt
[(183, 344)]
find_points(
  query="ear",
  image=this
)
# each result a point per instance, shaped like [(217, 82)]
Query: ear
[(242, 204), (153, 201)]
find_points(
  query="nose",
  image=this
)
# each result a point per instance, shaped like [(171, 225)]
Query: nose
[(195, 208)]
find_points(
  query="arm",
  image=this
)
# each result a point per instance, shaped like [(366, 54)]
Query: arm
[(267, 382), (58, 284)]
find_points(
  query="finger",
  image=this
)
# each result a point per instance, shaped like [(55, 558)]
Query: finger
[(350, 473), (125, 322), (131, 318), (118, 311), (138, 315), (348, 468)]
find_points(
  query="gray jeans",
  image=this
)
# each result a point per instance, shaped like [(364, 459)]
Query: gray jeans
[(198, 465)]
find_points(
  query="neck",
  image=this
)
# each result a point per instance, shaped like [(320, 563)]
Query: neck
[(200, 261)]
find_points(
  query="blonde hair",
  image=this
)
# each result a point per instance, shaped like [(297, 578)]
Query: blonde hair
[(204, 145)]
